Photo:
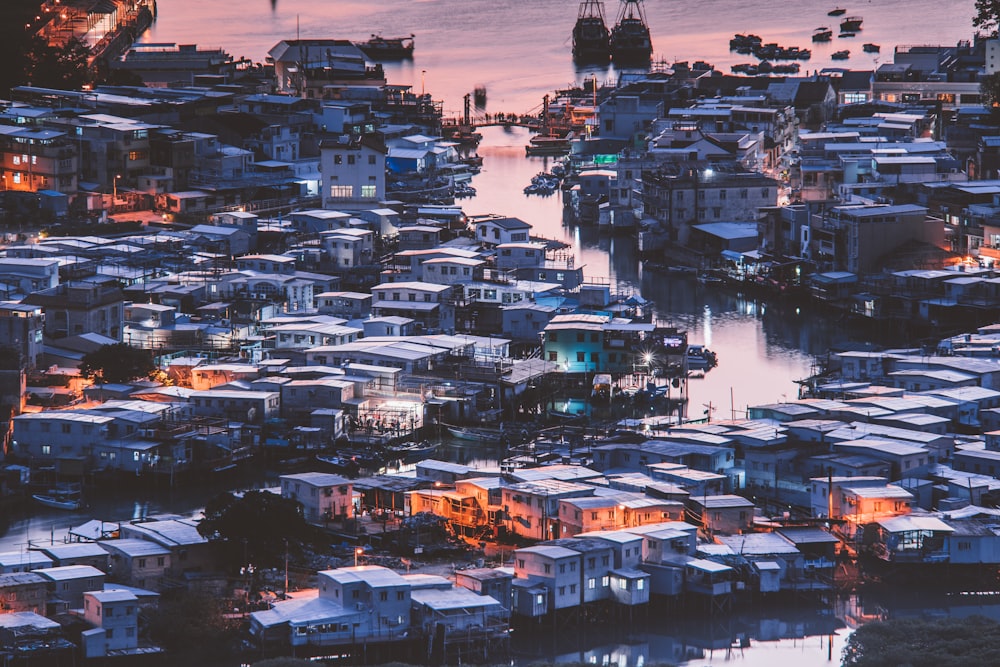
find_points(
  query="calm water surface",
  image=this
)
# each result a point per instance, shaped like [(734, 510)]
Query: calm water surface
[(521, 51)]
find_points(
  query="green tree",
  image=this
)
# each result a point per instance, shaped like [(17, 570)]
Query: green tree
[(255, 528), (192, 621), (916, 642), (987, 18), (116, 363), (66, 66)]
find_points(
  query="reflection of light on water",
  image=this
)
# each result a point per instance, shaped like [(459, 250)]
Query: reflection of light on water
[(707, 324)]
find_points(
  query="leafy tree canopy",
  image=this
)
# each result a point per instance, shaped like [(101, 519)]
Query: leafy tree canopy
[(987, 16), (255, 526), (918, 642), (116, 363)]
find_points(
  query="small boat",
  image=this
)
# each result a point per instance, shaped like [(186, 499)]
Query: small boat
[(839, 11), (411, 451), (474, 434), (547, 145), (841, 55), (846, 34), (342, 465), (822, 35), (60, 499), (709, 279), (851, 24), (387, 48), (700, 357), (871, 48)]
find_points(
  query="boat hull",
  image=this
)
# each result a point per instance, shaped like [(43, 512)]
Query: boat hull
[(57, 503), (473, 435)]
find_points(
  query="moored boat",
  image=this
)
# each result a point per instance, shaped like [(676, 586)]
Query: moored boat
[(547, 145), (839, 11), (851, 24), (474, 434), (342, 465), (700, 357), (62, 499), (871, 48), (387, 48), (630, 42), (591, 37), (841, 55), (822, 35), (411, 451)]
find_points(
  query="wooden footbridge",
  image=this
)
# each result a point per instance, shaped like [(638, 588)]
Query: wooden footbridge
[(534, 120)]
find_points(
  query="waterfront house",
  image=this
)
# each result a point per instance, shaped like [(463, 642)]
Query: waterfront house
[(60, 437), (189, 550), (524, 321), (84, 305), (461, 614), (709, 579), (23, 591), (827, 498), (491, 581), (864, 505), (135, 562), (694, 482), (115, 612), (557, 570), (626, 548), (353, 169), (979, 457), (847, 465), (777, 562), (666, 549), (28, 633), (67, 585), (726, 514), (974, 541), (348, 248), (451, 270), (429, 304), (596, 564), (24, 560), (418, 237), (819, 551), (911, 539), (204, 376), (78, 553), (248, 407), (323, 496), (495, 230), (905, 458), (532, 508), (347, 305), (445, 472), (383, 593), (356, 604)]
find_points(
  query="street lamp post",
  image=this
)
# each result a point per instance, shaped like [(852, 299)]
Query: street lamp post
[(357, 552), (114, 191)]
